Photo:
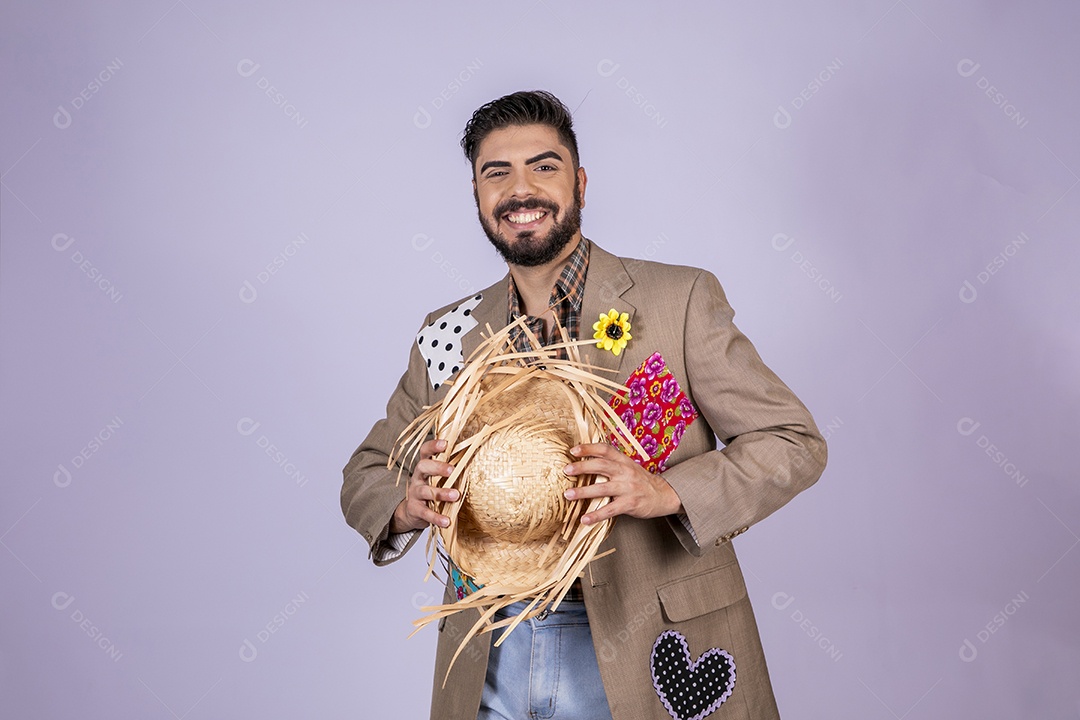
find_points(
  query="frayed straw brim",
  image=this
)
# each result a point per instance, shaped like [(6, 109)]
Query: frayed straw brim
[(509, 420)]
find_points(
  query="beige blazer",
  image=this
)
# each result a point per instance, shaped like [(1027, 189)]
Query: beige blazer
[(659, 578)]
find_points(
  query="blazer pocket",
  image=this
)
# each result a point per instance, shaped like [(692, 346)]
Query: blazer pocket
[(702, 593)]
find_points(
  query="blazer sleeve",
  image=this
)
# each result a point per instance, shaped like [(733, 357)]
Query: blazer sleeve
[(773, 449), (371, 491)]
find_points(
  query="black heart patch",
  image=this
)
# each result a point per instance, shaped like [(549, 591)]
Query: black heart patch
[(690, 689)]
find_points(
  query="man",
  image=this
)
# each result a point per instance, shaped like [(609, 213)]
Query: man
[(662, 627)]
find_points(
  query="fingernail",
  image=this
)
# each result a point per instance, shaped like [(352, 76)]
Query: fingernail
[(569, 494), (575, 451), (569, 469), (441, 444), (445, 522), (586, 520), (454, 494)]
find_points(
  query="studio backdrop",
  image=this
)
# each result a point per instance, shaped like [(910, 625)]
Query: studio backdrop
[(223, 224)]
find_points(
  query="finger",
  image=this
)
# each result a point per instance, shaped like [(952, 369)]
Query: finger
[(444, 494), (594, 450), (588, 492), (595, 466), (431, 468), (432, 447), (610, 510), (427, 515), (425, 493)]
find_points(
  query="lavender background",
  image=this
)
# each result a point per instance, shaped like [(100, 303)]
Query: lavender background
[(221, 227)]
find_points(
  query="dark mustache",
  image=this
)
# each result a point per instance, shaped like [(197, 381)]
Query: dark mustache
[(509, 206)]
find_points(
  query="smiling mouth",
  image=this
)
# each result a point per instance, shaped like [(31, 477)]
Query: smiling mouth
[(525, 218)]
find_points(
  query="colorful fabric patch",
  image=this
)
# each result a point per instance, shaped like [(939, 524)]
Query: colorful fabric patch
[(440, 341), (656, 411), (463, 584), (690, 689)]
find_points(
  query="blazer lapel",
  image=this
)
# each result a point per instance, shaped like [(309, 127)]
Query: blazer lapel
[(491, 311), (605, 283)]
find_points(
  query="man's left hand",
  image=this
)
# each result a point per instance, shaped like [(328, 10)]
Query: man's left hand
[(633, 490)]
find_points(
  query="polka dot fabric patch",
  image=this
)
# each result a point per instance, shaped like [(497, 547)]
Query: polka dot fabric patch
[(440, 341), (690, 690)]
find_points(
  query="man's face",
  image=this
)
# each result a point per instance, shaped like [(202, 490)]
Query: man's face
[(528, 196)]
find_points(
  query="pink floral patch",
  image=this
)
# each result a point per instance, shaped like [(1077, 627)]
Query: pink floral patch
[(656, 409)]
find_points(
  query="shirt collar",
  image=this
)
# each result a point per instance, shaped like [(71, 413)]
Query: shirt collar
[(569, 289)]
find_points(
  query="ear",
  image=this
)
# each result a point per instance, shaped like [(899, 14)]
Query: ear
[(583, 180)]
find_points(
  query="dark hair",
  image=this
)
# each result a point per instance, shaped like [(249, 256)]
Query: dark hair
[(527, 107)]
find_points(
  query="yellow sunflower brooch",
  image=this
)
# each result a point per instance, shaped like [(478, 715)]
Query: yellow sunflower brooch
[(612, 331)]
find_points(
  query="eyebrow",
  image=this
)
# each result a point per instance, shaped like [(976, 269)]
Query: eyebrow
[(544, 156), (529, 161)]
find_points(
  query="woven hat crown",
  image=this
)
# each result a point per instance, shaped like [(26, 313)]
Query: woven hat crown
[(515, 479)]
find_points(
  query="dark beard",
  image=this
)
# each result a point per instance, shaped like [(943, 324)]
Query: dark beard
[(530, 250)]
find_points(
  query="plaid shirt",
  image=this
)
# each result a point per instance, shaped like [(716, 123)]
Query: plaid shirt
[(565, 300)]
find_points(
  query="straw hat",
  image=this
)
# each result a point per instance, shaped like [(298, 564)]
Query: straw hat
[(509, 421), (515, 504)]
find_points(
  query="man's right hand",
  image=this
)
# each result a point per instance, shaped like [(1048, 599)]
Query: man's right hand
[(414, 512)]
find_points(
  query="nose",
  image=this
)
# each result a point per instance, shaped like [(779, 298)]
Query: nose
[(523, 185)]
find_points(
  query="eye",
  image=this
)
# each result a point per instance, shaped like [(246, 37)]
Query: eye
[(546, 167)]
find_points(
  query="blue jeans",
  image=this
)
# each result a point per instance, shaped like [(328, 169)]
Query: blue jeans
[(544, 669)]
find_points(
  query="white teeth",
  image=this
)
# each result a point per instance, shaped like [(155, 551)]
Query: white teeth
[(525, 217)]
